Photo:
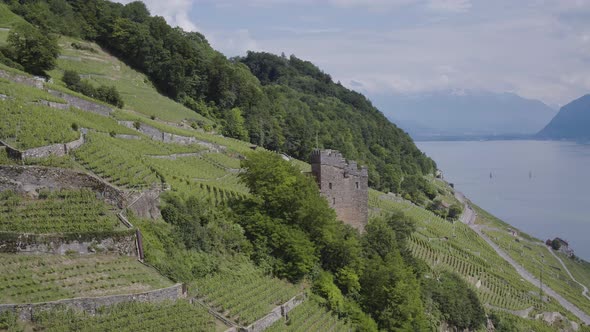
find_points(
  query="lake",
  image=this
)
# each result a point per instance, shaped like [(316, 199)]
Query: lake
[(540, 187)]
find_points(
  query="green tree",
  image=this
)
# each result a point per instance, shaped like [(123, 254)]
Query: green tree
[(36, 51), (456, 300), (390, 291), (234, 124), (555, 244)]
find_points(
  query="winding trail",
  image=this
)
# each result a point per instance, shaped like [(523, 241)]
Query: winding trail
[(468, 217), (585, 291)]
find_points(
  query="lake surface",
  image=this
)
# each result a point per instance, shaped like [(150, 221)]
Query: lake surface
[(540, 187)]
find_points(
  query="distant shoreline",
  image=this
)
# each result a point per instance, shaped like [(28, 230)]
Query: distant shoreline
[(452, 138)]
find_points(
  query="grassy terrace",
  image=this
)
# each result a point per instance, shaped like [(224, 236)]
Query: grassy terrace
[(446, 245), (40, 278), (178, 316), (532, 255), (137, 91), (310, 316), (30, 126), (242, 293), (26, 93), (71, 211)]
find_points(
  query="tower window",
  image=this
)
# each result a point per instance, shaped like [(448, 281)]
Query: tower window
[(357, 185), (330, 185), (333, 200)]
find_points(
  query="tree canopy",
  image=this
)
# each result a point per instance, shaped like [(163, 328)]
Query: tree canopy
[(35, 51)]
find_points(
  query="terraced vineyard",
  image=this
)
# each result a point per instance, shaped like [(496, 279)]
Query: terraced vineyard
[(178, 316), (41, 278), (34, 125), (67, 211), (533, 256), (310, 316), (242, 293), (201, 176), (446, 245), (116, 161)]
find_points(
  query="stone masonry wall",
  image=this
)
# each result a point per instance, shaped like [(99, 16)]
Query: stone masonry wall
[(165, 137), (83, 104), (146, 204), (35, 82), (344, 185), (29, 179), (121, 243), (27, 312), (60, 149), (275, 315)]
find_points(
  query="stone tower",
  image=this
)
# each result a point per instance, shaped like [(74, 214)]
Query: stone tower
[(344, 185)]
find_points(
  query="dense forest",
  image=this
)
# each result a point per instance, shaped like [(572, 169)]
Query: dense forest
[(284, 104)]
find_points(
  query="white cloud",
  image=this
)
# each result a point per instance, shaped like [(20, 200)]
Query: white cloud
[(536, 48), (459, 6), (176, 12)]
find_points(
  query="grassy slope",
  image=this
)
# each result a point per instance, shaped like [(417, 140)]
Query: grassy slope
[(137, 91), (7, 18)]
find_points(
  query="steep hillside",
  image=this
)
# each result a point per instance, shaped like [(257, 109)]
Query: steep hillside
[(304, 110), (246, 231), (571, 123)]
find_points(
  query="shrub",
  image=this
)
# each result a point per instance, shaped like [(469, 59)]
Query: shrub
[(74, 126), (71, 78)]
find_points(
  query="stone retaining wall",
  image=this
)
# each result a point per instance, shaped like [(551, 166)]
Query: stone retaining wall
[(82, 104), (28, 311), (165, 137), (121, 243), (125, 136), (53, 104), (30, 179), (275, 315), (36, 82), (146, 203), (60, 149)]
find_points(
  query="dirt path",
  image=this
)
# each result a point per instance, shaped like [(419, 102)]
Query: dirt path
[(468, 217), (585, 291)]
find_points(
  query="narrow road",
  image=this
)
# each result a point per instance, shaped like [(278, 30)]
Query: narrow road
[(585, 291), (468, 218)]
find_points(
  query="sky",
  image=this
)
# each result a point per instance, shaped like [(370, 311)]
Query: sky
[(538, 49)]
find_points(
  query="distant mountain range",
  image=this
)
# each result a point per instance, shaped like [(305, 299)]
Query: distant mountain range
[(571, 123), (465, 114)]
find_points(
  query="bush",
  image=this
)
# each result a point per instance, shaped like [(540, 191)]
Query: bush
[(74, 126), (71, 79), (110, 95), (78, 46)]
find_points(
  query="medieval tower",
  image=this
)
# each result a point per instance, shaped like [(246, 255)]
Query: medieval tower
[(344, 185)]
